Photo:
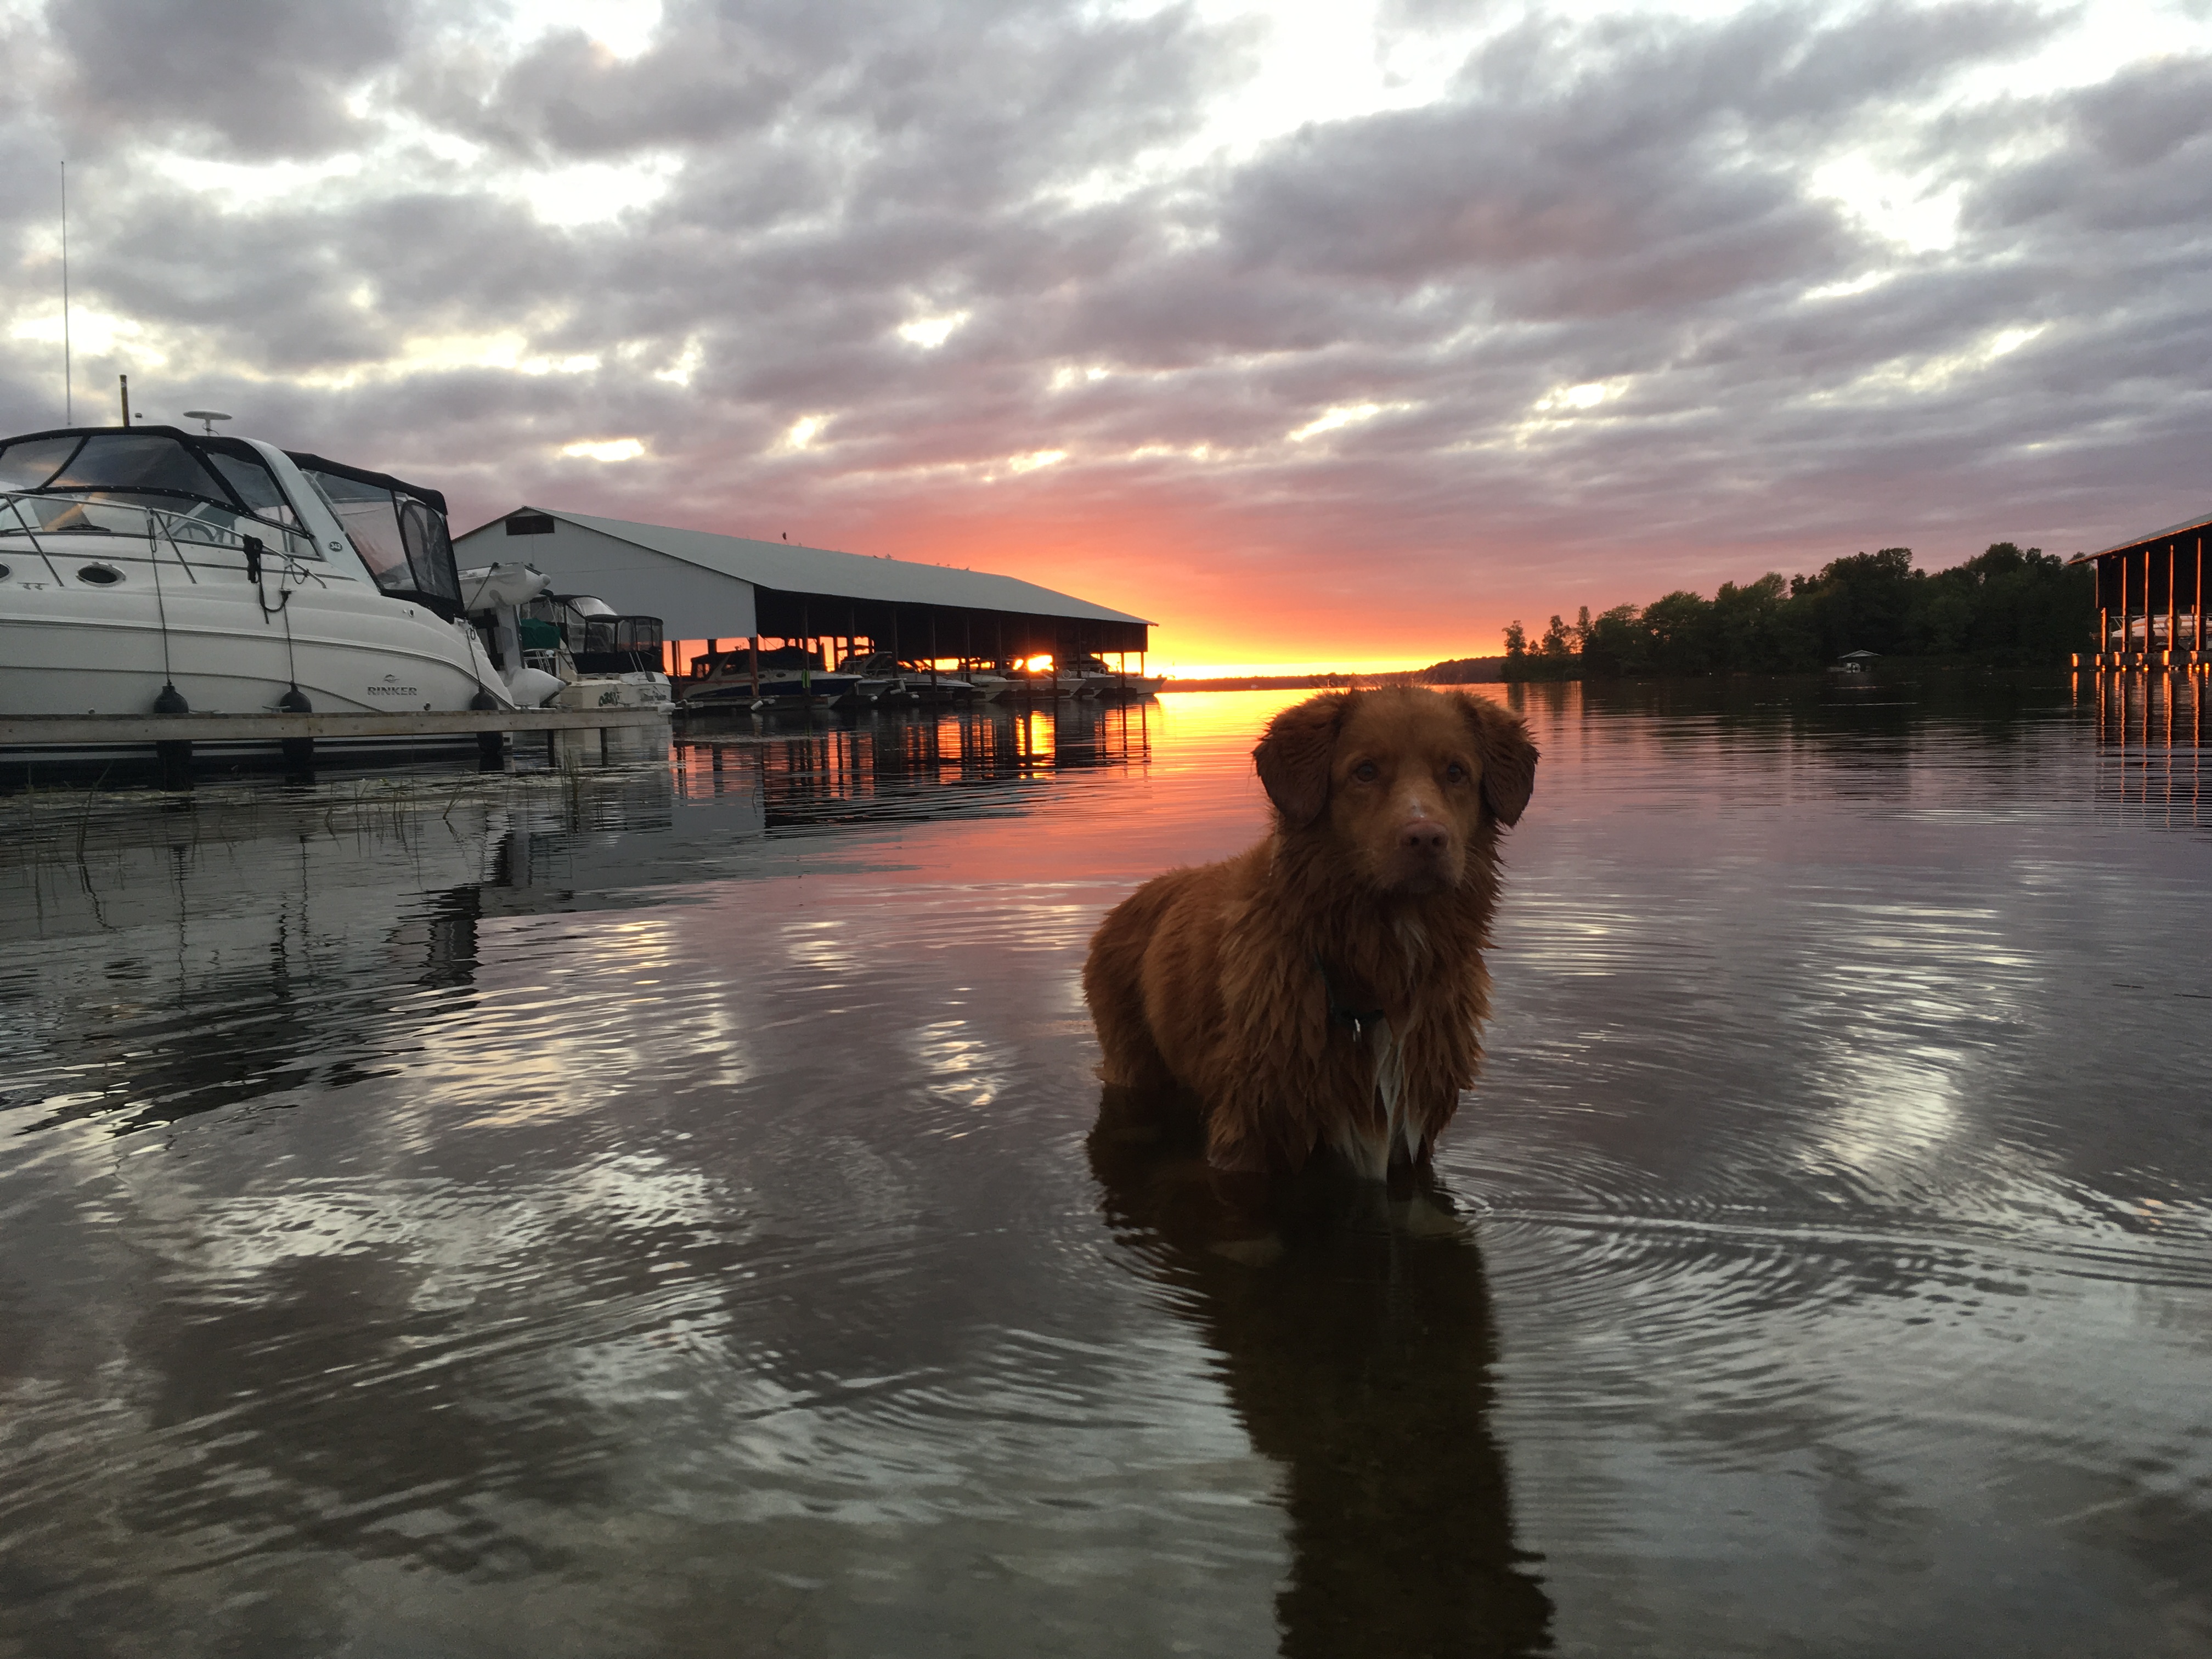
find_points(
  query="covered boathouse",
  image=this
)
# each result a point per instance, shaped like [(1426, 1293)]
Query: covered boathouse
[(2151, 612), (708, 589)]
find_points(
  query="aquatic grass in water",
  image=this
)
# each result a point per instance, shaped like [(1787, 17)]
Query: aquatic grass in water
[(667, 1208)]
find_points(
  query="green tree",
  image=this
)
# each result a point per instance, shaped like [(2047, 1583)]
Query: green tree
[(2003, 606), (1681, 629), (1616, 646), (1859, 603)]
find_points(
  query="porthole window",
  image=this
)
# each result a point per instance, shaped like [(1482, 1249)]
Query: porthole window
[(4, 573), (99, 575)]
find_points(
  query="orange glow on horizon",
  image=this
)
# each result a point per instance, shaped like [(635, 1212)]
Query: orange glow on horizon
[(1160, 663)]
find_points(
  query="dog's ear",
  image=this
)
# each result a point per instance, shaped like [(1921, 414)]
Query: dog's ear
[(1509, 758), (1293, 757)]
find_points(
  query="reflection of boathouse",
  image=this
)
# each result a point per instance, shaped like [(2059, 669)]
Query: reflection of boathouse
[(711, 587), (911, 767), (2150, 612)]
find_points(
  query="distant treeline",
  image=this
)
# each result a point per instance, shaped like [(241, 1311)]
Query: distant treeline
[(2005, 606)]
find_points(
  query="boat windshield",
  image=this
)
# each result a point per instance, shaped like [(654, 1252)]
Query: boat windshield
[(788, 656), (741, 662), (208, 489), (398, 531)]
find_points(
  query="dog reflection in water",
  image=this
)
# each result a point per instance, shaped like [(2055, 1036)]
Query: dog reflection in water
[(1354, 1330)]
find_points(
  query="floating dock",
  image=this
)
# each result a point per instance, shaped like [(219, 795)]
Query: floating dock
[(173, 736)]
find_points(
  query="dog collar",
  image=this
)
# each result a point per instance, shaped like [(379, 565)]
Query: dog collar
[(1357, 1018)]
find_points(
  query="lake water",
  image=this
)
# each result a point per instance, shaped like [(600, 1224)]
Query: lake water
[(656, 1209)]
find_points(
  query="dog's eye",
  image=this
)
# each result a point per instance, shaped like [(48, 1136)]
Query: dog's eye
[(1455, 773), (1366, 772)]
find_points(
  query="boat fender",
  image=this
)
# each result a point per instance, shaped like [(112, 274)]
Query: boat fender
[(483, 700), (172, 700), (294, 701), (531, 687)]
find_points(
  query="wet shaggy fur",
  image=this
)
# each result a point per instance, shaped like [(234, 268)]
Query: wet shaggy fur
[(1325, 989)]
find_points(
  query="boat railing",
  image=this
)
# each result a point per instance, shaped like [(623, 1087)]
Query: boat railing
[(33, 514)]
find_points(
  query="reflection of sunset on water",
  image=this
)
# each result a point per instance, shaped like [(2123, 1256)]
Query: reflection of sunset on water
[(605, 1203)]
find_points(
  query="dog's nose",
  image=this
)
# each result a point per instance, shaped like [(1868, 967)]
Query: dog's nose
[(1423, 836)]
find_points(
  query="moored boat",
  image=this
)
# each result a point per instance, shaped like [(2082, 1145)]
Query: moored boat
[(147, 569), (1010, 678), (927, 683), (603, 658), (1101, 679), (789, 677), (986, 678), (881, 680)]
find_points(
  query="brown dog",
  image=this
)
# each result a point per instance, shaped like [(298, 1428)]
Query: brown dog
[(1327, 988)]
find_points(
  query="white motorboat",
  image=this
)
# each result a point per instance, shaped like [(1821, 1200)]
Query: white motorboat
[(903, 680), (930, 684), (988, 682), (882, 681), (790, 677), (603, 658), (1007, 678), (1099, 679), (147, 569)]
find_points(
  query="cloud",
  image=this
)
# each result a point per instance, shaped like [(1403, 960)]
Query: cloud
[(1574, 308), (261, 79)]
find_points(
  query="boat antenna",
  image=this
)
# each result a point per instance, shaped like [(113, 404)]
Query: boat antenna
[(206, 417), (69, 397)]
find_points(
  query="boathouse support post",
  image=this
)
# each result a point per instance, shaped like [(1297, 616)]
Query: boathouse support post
[(2143, 598), (2140, 600), (2172, 611), (2137, 600), (2127, 607), (2127, 628), (2122, 607)]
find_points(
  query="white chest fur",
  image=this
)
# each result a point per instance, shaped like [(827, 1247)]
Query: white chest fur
[(1367, 1145)]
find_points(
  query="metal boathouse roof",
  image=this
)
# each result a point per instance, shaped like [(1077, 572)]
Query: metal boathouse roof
[(708, 586)]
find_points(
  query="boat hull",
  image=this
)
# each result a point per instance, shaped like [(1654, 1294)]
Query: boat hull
[(1124, 685), (824, 690), (75, 645)]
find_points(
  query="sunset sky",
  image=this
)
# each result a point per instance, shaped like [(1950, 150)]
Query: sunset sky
[(1336, 334)]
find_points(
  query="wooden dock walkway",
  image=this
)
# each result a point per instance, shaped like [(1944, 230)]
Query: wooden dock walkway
[(173, 737), (76, 731)]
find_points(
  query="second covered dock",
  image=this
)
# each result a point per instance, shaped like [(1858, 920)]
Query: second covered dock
[(711, 588)]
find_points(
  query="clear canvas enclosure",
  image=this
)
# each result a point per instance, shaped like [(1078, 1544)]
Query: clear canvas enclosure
[(400, 536)]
